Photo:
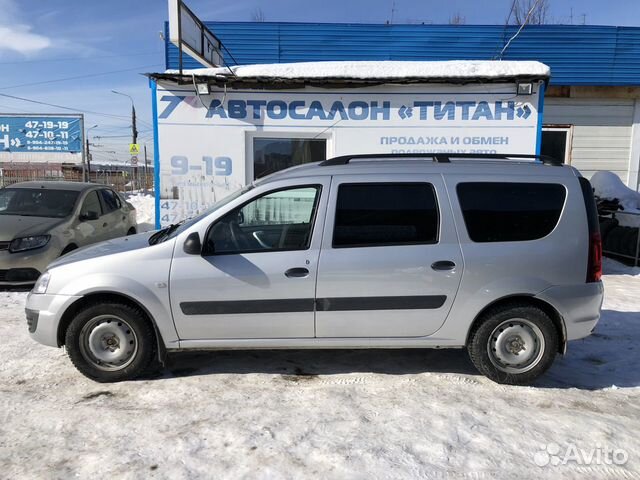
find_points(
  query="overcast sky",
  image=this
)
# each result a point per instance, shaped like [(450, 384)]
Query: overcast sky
[(106, 45)]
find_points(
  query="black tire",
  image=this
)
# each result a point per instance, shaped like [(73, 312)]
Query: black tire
[(131, 327), (512, 319)]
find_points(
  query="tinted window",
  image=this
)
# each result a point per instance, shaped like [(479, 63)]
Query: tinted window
[(510, 212), (274, 154), (385, 214), (280, 220), (37, 202), (91, 204), (110, 199)]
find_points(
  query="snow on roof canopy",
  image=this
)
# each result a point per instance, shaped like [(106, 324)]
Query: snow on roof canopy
[(371, 71)]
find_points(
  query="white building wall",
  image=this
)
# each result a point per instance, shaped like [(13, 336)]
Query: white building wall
[(602, 132)]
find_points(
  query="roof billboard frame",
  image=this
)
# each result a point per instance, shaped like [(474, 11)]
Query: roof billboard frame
[(199, 43)]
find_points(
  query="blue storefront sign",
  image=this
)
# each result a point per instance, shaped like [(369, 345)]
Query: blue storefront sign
[(40, 133)]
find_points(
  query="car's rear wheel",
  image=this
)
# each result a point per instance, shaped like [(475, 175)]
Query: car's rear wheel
[(110, 342), (513, 344)]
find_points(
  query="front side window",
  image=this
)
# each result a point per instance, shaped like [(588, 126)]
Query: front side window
[(279, 220), (510, 212), (91, 204), (369, 215), (110, 200), (274, 154)]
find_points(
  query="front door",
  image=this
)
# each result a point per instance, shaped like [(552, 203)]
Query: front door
[(391, 263), (113, 219), (91, 227), (256, 276)]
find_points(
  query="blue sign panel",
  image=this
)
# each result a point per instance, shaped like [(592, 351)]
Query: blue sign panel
[(40, 133)]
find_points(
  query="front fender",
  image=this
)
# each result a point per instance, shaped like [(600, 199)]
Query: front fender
[(153, 298)]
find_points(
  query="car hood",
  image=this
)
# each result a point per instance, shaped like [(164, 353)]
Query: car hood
[(15, 226), (110, 247)]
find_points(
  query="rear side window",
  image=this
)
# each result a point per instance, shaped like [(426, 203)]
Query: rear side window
[(372, 214), (510, 212)]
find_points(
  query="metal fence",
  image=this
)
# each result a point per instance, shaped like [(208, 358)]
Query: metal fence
[(121, 181)]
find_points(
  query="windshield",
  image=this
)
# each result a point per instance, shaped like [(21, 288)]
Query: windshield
[(174, 230), (37, 202)]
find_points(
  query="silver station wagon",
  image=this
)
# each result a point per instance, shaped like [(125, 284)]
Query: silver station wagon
[(497, 254)]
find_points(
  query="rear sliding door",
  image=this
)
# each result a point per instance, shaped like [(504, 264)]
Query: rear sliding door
[(390, 263)]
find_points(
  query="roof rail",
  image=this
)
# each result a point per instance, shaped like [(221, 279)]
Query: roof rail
[(441, 157)]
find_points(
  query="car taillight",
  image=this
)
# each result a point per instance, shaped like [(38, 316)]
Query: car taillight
[(594, 259), (594, 266)]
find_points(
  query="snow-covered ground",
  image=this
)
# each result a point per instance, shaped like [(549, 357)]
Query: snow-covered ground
[(336, 414)]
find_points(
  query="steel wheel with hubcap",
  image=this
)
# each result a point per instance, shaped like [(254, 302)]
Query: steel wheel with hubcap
[(513, 343), (110, 341), (516, 346)]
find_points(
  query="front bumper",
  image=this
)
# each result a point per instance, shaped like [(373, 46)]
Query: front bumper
[(579, 306), (24, 268), (44, 313)]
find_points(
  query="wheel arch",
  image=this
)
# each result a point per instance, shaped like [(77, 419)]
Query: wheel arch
[(105, 296), (529, 299), (69, 248)]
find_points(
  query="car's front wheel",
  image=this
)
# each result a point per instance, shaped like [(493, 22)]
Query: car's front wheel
[(110, 342), (513, 344)]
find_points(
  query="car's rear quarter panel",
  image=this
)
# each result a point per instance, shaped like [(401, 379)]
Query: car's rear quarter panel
[(497, 270)]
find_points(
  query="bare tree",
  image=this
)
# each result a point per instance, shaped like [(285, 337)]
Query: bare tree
[(520, 11), (457, 19), (258, 15)]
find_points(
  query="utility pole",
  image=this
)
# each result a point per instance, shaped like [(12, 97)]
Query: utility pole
[(88, 173), (134, 130), (145, 168)]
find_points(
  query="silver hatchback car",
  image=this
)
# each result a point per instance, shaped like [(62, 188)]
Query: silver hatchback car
[(497, 254), (40, 221)]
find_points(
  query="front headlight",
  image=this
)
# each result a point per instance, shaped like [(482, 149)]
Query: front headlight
[(28, 243), (42, 283)]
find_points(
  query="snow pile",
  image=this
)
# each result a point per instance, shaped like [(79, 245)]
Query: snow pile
[(609, 186), (145, 210), (454, 69)]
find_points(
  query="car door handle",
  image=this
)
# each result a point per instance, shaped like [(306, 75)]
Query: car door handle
[(297, 272), (105, 224), (443, 265)]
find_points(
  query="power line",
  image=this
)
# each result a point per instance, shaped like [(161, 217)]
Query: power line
[(526, 20), (79, 58), (76, 110), (78, 77)]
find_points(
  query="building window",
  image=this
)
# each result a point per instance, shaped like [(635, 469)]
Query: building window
[(370, 215), (274, 154), (556, 142)]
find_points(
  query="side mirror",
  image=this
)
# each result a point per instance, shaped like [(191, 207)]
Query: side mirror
[(192, 245), (90, 215), (240, 218)]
